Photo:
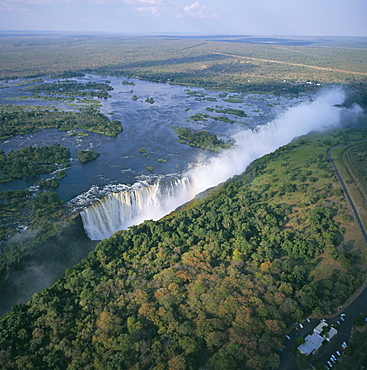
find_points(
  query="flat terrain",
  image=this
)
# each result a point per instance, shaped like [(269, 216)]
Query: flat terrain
[(217, 62)]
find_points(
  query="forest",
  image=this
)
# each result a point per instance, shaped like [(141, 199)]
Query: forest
[(72, 88), (18, 120), (216, 284), (87, 155), (32, 161), (211, 63), (201, 139)]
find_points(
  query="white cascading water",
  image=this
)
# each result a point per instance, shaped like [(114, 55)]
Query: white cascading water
[(143, 201), (146, 201)]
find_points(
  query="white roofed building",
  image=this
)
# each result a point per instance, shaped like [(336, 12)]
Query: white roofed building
[(330, 334), (312, 343), (318, 329)]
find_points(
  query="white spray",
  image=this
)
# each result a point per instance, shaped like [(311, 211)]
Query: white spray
[(317, 115), (121, 210), (143, 201)]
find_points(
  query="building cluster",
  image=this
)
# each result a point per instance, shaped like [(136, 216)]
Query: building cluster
[(322, 332)]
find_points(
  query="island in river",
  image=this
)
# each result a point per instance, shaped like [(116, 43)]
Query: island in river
[(224, 275)]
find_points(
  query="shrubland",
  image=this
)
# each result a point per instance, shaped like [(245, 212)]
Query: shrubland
[(214, 64)]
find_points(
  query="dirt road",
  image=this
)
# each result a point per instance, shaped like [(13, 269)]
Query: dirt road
[(291, 64)]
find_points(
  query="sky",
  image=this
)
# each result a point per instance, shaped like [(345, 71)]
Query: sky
[(225, 17)]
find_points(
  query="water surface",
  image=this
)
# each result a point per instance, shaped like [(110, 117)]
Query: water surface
[(148, 145)]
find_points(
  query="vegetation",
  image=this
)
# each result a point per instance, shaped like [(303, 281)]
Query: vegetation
[(87, 155), (82, 134), (357, 156), (24, 82), (48, 183), (204, 117), (21, 207), (235, 112), (32, 161), (76, 102), (16, 120), (349, 161), (34, 259), (233, 100), (13, 208), (200, 139), (47, 203), (72, 88), (128, 83), (223, 64), (200, 117), (355, 355), (215, 284), (67, 74)]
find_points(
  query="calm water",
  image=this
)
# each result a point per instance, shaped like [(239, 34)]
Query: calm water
[(146, 126)]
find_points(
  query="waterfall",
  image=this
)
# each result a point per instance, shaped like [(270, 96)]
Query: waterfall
[(142, 201), (145, 200)]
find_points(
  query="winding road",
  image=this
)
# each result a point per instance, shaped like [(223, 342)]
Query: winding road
[(346, 192), (357, 305)]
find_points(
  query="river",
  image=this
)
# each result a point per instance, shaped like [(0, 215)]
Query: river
[(148, 148)]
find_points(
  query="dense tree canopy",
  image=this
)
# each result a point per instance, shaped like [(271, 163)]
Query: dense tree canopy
[(201, 139), (19, 121), (87, 155), (32, 161), (215, 284)]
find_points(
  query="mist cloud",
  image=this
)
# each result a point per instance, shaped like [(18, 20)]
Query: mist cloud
[(317, 115), (143, 201)]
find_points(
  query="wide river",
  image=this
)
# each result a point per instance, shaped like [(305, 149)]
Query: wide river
[(148, 145)]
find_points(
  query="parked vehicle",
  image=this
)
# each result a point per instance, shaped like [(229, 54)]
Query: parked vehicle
[(288, 337), (338, 353), (301, 326)]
